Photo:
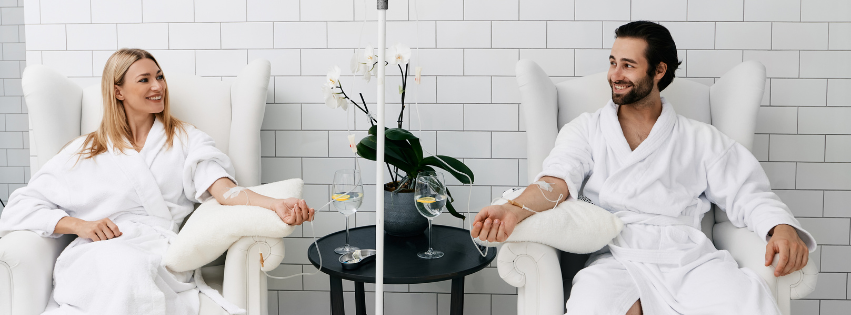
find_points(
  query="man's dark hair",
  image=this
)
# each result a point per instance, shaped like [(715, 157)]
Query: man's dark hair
[(660, 47)]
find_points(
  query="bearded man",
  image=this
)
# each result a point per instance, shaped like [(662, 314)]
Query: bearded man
[(659, 172)]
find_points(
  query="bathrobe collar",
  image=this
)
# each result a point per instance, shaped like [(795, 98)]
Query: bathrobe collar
[(661, 131), (135, 166)]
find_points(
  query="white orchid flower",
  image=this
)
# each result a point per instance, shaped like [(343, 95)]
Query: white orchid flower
[(332, 79), (332, 90), (369, 62), (399, 54), (369, 55)]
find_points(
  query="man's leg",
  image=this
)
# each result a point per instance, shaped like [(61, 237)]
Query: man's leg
[(604, 287), (715, 284), (635, 309)]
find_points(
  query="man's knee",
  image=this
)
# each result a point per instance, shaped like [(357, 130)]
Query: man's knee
[(635, 309)]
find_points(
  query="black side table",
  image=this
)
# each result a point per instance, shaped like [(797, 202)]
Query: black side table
[(401, 264)]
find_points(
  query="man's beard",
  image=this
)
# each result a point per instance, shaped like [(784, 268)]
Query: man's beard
[(639, 91)]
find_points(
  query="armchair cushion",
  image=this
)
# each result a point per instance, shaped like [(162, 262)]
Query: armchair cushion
[(213, 228), (574, 226)]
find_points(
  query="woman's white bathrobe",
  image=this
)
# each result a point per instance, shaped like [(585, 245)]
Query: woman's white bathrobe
[(661, 191), (147, 194)]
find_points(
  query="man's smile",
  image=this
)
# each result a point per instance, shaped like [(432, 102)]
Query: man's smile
[(621, 88)]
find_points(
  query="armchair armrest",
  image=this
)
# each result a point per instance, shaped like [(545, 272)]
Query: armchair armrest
[(26, 271), (534, 269), (749, 251), (244, 282)]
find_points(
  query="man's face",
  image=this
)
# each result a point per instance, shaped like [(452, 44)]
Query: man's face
[(628, 71)]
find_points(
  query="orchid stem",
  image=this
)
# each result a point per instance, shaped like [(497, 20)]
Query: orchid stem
[(371, 122), (356, 104), (404, 86)]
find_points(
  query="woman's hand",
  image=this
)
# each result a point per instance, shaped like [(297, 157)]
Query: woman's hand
[(293, 211), (99, 230)]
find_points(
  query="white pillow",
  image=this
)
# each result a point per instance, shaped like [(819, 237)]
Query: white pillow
[(213, 228), (574, 226)]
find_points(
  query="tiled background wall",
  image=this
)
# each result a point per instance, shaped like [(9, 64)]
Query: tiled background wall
[(469, 97)]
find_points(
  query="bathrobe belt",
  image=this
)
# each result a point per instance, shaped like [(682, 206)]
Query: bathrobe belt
[(653, 256)]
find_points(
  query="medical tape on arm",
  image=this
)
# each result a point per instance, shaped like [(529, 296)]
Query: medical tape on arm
[(233, 192)]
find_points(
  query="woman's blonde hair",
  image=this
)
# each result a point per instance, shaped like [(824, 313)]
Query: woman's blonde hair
[(114, 127)]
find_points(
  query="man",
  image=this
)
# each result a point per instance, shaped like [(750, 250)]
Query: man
[(659, 172)]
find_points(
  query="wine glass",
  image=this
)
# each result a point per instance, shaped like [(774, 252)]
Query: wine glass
[(430, 197), (347, 195)]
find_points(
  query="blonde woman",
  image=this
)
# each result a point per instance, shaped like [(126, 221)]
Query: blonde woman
[(124, 189)]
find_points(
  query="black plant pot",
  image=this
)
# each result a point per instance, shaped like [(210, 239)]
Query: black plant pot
[(401, 217)]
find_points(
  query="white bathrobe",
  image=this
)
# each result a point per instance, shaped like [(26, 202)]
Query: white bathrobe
[(661, 191), (147, 194)]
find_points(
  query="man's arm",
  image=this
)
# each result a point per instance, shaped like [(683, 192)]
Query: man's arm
[(737, 183), (564, 169), (495, 223)]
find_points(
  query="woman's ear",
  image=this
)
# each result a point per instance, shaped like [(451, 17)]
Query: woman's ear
[(118, 94)]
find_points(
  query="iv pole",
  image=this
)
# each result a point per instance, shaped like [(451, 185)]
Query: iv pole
[(379, 160)]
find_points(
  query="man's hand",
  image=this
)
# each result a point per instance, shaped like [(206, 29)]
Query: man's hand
[(99, 230), (495, 223), (293, 211), (794, 254)]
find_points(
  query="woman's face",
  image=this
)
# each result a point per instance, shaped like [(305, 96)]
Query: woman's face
[(143, 89)]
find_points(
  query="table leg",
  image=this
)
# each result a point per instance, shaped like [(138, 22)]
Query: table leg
[(360, 299), (456, 305), (337, 296)]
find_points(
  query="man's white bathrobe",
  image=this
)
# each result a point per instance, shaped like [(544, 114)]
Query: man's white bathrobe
[(661, 191), (147, 194)]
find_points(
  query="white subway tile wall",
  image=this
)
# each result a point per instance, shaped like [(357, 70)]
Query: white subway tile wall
[(469, 98)]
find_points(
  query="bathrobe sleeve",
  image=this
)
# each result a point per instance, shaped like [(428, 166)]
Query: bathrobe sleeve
[(204, 165), (737, 184), (38, 206), (571, 158)]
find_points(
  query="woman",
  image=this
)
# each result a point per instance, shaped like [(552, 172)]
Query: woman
[(124, 190)]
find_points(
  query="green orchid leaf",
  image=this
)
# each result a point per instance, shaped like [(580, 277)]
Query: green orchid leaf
[(405, 149), (453, 212), (418, 149), (366, 152), (454, 163), (390, 149), (400, 137), (399, 134), (374, 130), (366, 149)]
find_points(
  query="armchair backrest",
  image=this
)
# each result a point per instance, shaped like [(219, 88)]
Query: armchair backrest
[(230, 112), (731, 105)]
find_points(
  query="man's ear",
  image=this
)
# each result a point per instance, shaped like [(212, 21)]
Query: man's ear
[(118, 94), (661, 69)]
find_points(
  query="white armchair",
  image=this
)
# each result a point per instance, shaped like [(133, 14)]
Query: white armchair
[(59, 111), (542, 274)]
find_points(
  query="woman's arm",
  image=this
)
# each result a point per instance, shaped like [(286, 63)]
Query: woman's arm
[(99, 230), (292, 211)]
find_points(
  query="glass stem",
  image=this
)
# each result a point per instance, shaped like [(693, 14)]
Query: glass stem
[(347, 231), (429, 236)]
